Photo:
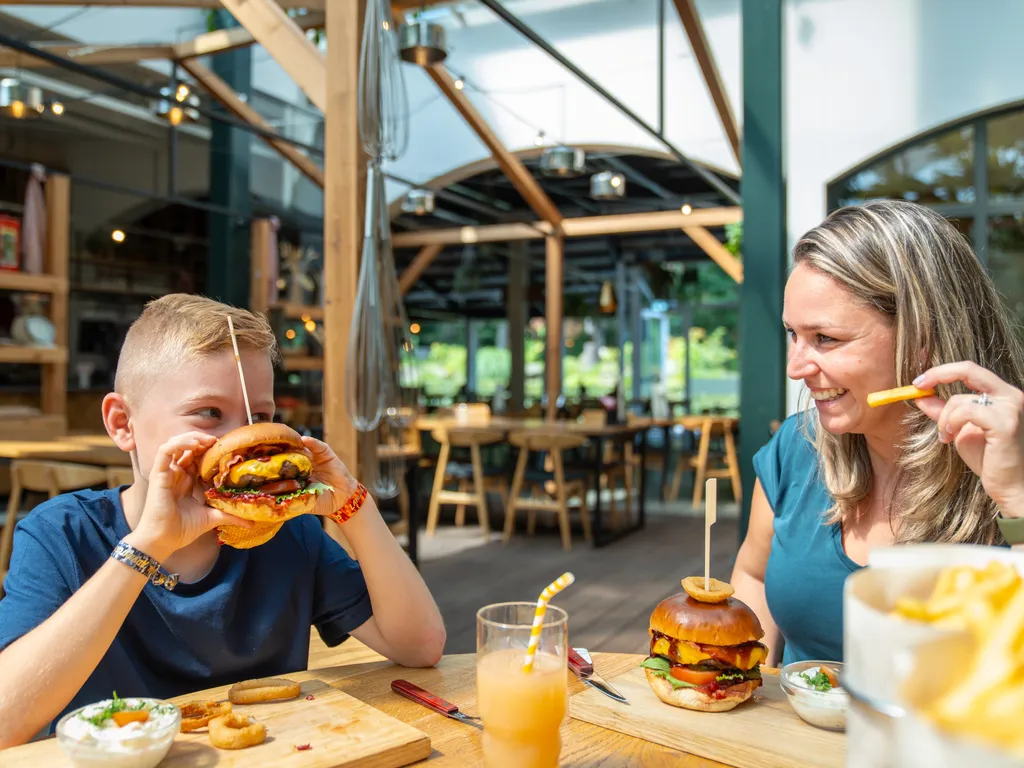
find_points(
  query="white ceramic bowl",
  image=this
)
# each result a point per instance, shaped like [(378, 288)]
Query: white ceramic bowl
[(822, 709), (136, 745)]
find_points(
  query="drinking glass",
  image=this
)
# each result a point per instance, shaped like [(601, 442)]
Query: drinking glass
[(522, 712)]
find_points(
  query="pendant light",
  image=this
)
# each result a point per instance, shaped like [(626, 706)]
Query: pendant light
[(419, 202), (607, 185), (564, 162), (607, 303), (177, 105), (422, 42), (19, 100)]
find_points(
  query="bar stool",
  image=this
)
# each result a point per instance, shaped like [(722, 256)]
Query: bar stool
[(554, 444), (729, 468), (473, 481)]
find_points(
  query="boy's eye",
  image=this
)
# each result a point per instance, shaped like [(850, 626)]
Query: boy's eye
[(261, 417), (823, 339), (208, 413)]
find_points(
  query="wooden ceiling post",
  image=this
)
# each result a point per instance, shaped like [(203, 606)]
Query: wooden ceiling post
[(418, 266), (344, 197), (718, 252), (82, 53), (508, 162), (221, 40), (706, 59), (225, 94), (554, 288), (287, 43)]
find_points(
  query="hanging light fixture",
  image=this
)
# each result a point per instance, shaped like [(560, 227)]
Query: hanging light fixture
[(177, 105), (562, 161), (607, 303), (422, 43), (19, 100), (419, 202), (607, 185)]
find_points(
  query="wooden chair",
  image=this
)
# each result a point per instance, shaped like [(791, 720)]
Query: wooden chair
[(621, 461), (409, 444), (472, 488), (564, 488), (50, 477), (728, 468), (118, 476)]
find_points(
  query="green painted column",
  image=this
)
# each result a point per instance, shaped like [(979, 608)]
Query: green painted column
[(227, 270), (762, 342)]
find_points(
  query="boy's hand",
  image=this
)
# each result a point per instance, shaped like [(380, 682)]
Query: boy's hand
[(173, 517), (329, 469)]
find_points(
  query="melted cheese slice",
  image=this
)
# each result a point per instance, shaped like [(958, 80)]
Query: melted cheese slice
[(269, 469), (746, 657)]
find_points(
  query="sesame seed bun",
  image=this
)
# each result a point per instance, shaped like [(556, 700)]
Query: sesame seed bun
[(693, 698), (730, 622)]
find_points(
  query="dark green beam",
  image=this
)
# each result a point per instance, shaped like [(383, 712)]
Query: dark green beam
[(227, 271), (763, 188)]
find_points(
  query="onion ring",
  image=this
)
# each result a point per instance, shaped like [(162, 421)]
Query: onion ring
[(263, 689), (235, 731), (198, 714), (717, 592)]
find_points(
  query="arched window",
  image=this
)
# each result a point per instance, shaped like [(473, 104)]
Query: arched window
[(972, 172)]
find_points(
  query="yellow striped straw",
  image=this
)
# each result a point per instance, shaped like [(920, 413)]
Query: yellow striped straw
[(549, 592)]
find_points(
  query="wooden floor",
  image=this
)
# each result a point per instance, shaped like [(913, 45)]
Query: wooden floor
[(616, 586)]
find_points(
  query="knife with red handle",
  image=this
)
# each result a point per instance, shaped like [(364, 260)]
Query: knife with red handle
[(584, 670), (413, 692)]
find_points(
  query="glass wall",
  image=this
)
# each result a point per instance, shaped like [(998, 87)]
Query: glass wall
[(944, 170)]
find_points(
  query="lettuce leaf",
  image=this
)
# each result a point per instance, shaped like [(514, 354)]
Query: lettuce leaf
[(314, 488), (660, 666)]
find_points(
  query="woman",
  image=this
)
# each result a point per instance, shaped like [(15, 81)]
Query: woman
[(881, 295)]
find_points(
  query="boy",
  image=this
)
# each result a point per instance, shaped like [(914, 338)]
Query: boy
[(78, 623)]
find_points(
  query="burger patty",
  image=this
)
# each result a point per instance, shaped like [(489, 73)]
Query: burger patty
[(742, 656), (288, 472)]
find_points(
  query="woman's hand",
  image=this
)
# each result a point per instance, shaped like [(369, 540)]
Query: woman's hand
[(988, 434), (172, 517), (330, 470)]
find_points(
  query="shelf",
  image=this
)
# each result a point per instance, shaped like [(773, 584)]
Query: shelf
[(299, 311), (12, 353), (303, 363), (23, 281)]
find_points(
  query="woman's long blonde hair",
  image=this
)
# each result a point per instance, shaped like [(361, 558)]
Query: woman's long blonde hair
[(910, 264)]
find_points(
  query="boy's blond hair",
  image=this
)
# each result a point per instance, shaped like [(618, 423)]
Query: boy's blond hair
[(180, 327)]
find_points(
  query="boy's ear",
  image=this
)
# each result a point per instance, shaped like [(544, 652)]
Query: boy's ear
[(117, 421)]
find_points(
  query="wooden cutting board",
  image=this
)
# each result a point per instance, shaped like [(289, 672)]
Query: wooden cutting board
[(342, 732), (764, 732)]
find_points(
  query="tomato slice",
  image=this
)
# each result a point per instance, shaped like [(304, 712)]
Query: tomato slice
[(694, 676), (281, 486)]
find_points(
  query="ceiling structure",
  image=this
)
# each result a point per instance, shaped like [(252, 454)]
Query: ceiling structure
[(472, 279)]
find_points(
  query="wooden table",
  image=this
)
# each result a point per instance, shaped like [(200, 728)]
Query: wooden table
[(80, 449), (454, 744), (597, 434)]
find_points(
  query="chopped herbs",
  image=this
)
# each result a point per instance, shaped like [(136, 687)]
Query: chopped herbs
[(820, 682), (118, 704)]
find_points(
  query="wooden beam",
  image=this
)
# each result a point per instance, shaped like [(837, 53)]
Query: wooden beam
[(706, 60), (510, 164), (287, 43), (222, 40), (54, 399), (309, 5), (344, 198), (554, 287), (88, 54), (587, 226), (718, 252), (418, 266), (260, 266), (226, 95)]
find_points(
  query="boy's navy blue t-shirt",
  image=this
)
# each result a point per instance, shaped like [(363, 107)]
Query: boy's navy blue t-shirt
[(248, 617)]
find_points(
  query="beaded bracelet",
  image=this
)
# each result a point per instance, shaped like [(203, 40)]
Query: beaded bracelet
[(139, 561), (353, 505)]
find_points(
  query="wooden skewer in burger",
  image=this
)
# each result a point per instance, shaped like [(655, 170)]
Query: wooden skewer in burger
[(706, 652), (259, 472)]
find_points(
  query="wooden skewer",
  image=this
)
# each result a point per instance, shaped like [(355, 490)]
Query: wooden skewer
[(241, 376), (710, 516)]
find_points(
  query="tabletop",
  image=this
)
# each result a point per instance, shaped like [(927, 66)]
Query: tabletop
[(80, 449), (453, 743), (513, 424)]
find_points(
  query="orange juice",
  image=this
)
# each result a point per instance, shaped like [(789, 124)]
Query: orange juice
[(522, 712)]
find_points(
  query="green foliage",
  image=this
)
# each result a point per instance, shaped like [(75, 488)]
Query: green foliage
[(734, 239)]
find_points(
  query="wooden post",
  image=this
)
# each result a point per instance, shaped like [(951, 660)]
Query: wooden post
[(58, 234), (260, 266), (555, 273), (344, 197), (516, 307)]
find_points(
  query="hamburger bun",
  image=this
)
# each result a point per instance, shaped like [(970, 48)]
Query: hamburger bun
[(730, 622), (249, 436), (692, 698), (265, 513)]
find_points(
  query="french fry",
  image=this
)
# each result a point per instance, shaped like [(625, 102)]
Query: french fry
[(887, 396)]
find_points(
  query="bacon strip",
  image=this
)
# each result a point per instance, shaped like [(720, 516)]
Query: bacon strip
[(226, 464)]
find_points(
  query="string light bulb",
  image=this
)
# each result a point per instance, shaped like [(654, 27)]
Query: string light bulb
[(117, 235), (289, 334), (459, 83), (181, 93), (687, 209), (310, 326), (57, 108), (539, 141), (414, 328)]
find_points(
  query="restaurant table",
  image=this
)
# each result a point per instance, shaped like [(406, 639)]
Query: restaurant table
[(78, 449), (453, 743), (596, 433)]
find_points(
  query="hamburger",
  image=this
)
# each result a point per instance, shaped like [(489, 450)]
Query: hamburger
[(260, 472), (704, 655)]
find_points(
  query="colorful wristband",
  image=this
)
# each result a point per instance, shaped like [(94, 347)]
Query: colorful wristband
[(144, 564), (353, 505)]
